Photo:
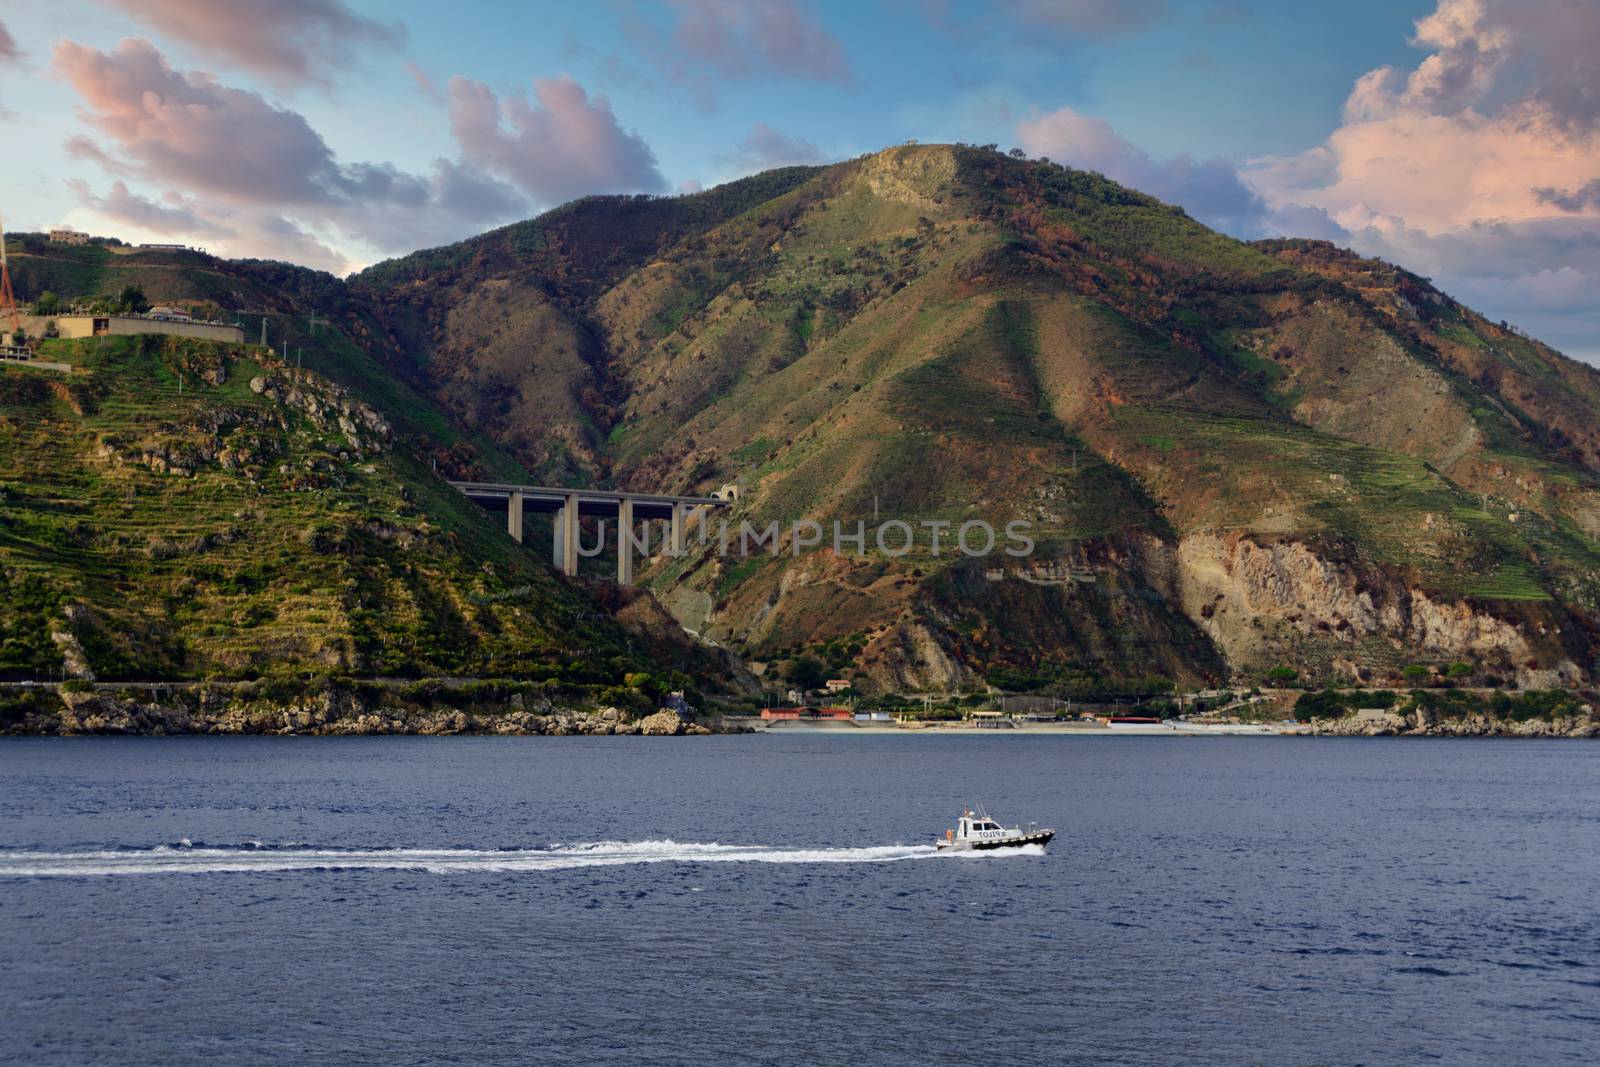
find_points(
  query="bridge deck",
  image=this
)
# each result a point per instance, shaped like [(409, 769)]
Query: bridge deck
[(605, 502), (626, 507)]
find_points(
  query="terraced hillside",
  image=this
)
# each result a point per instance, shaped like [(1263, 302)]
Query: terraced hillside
[(182, 509), (1239, 459)]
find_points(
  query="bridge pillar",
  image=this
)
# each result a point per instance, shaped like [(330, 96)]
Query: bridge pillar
[(625, 541), (514, 517), (569, 536), (675, 539), (557, 524)]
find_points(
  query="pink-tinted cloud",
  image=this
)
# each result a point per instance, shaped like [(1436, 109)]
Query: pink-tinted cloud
[(1478, 166), (764, 148), (233, 151), (562, 145), (9, 52), (193, 131), (255, 233), (288, 41), (424, 83), (1210, 190), (741, 39), (174, 215)]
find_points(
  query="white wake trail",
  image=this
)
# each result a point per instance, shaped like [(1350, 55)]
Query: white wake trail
[(204, 860)]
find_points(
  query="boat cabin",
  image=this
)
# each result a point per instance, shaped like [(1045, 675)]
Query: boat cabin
[(972, 827)]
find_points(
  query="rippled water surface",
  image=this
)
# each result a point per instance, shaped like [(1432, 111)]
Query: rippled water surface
[(774, 899)]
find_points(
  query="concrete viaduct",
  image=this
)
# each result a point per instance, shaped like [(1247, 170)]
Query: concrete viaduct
[(568, 505)]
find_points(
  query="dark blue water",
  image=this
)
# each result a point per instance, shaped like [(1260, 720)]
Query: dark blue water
[(1209, 901)]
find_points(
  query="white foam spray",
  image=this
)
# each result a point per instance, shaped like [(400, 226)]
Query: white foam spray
[(187, 859)]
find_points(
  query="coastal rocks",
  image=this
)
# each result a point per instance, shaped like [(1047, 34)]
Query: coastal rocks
[(1424, 722), (663, 723), (97, 713), (224, 710)]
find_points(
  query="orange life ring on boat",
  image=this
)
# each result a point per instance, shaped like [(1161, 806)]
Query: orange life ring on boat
[(949, 835)]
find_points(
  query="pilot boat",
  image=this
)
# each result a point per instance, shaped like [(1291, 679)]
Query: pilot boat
[(978, 831)]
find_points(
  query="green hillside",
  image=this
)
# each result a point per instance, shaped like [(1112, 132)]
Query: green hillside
[(184, 509)]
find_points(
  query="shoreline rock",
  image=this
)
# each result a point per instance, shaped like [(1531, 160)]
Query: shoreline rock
[(327, 714), (1425, 723)]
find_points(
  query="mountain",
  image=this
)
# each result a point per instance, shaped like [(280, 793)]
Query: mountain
[(1240, 461)]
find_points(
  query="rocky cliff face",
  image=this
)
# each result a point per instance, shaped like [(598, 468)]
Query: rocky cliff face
[(1279, 603)]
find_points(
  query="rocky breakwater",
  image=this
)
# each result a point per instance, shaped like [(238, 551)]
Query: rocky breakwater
[(1423, 722), (218, 711)]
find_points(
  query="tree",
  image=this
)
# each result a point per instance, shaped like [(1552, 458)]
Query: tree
[(1415, 671), (1017, 153), (132, 299), (806, 672), (47, 304)]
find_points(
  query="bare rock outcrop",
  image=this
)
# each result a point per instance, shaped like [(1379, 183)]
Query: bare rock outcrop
[(329, 407), (1254, 599)]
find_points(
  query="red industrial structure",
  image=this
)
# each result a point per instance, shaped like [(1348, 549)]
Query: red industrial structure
[(804, 714)]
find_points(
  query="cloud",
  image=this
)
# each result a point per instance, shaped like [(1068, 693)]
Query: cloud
[(1477, 166), (1088, 16), (1583, 197), (246, 232), (690, 185), (739, 40), (424, 83), (195, 132), (764, 148), (175, 216), (563, 145), (1210, 190), (241, 155), (288, 41), (1036, 22), (10, 55), (9, 52), (1493, 55)]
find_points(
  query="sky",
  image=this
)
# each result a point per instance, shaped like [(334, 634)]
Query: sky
[(1458, 138)]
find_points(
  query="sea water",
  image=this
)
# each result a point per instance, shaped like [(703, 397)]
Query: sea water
[(775, 899)]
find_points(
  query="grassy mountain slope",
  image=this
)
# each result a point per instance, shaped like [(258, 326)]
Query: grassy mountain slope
[(1237, 457)]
